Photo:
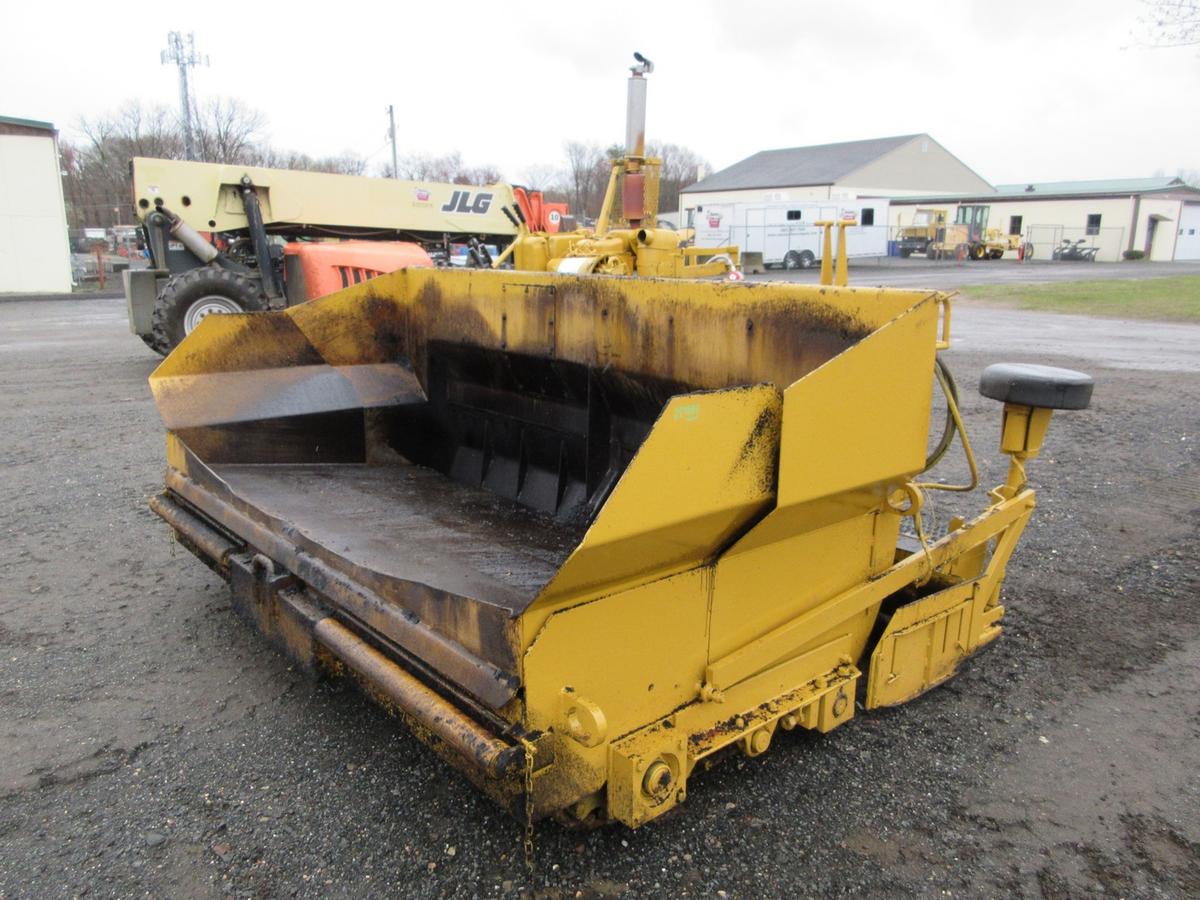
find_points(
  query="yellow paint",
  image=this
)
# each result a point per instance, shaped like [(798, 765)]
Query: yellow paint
[(673, 505), (731, 581)]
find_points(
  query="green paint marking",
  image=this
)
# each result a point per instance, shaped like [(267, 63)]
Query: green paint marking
[(689, 412)]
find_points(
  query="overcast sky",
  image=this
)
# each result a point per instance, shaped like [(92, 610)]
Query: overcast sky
[(1020, 91)]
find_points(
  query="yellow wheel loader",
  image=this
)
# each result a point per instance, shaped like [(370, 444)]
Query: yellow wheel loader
[(584, 534)]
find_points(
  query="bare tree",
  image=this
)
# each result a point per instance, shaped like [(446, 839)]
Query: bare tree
[(96, 171), (448, 168), (541, 177), (1172, 23), (681, 167), (228, 131), (585, 165), (479, 175), (422, 167), (344, 164), (589, 165), (275, 158)]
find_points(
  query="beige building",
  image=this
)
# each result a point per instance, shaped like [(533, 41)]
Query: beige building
[(907, 165), (1158, 216), (34, 252)]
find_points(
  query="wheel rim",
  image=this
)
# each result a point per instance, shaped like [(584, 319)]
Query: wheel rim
[(213, 304), (806, 260), (789, 261)]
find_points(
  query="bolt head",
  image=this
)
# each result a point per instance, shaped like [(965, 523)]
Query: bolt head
[(839, 705), (760, 741), (658, 780)]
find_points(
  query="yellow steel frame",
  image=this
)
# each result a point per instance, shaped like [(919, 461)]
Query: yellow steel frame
[(729, 586)]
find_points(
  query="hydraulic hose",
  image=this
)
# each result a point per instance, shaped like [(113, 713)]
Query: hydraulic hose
[(954, 423), (950, 390)]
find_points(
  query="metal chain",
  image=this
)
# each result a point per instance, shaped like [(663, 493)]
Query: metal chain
[(528, 843)]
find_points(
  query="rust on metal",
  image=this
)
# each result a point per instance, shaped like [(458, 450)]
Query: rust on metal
[(412, 697)]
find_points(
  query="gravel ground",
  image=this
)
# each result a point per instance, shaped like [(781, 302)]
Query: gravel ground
[(154, 746)]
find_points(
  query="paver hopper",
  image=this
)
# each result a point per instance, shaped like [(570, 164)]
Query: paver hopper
[(583, 532)]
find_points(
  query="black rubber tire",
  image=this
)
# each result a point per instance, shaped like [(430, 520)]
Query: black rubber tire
[(791, 260), (152, 342), (181, 291), (905, 253), (807, 259)]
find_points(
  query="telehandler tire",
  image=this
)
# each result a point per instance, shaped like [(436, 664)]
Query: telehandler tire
[(186, 299), (152, 342)]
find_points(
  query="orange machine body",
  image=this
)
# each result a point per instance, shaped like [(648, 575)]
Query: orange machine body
[(326, 267)]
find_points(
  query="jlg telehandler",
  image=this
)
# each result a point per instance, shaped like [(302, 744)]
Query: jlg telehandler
[(228, 239)]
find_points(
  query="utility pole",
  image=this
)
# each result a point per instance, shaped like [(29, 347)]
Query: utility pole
[(392, 135), (182, 52)]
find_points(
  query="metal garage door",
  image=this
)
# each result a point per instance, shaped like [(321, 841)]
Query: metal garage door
[(1187, 245)]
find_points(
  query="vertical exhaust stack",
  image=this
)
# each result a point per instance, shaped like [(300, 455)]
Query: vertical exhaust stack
[(635, 108), (633, 193)]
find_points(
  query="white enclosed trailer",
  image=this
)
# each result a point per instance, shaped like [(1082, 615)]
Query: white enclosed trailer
[(785, 234)]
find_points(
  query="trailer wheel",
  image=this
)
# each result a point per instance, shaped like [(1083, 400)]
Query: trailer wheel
[(802, 259), (187, 299)]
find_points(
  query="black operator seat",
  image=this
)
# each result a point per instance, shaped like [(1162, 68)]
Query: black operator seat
[(1026, 384)]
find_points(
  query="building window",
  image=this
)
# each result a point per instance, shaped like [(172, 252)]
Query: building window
[(1014, 224), (1093, 225), (868, 217), (793, 215)]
